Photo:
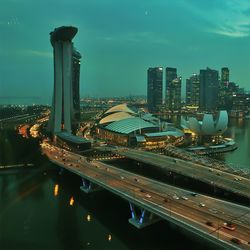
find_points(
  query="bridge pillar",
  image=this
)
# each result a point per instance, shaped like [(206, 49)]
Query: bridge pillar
[(88, 186), (140, 217)]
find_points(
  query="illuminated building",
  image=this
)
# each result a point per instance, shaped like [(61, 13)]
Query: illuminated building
[(223, 91), (209, 89), (171, 74), (154, 90), (174, 94), (224, 76), (193, 90), (62, 104), (122, 126), (208, 125)]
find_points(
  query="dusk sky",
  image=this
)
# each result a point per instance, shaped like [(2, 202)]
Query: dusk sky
[(118, 41)]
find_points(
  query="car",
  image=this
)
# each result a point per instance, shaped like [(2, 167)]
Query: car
[(194, 194), (148, 195), (235, 240), (229, 226), (202, 204), (176, 197), (184, 198), (210, 223), (122, 178), (136, 179), (213, 210)]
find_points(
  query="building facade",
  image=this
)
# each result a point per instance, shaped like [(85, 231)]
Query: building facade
[(174, 96), (76, 63), (154, 89), (65, 74), (209, 89), (224, 76), (193, 90), (171, 74)]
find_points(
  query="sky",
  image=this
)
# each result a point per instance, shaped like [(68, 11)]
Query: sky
[(119, 40)]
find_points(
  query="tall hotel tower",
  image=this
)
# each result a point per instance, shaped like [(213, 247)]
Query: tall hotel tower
[(62, 104)]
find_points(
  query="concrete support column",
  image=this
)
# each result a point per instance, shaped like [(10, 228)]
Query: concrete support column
[(140, 217)]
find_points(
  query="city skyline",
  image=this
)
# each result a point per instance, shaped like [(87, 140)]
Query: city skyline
[(118, 45)]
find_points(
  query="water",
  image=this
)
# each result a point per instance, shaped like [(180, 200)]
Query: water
[(40, 209), (239, 130)]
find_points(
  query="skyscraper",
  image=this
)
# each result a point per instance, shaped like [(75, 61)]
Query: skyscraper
[(224, 87), (62, 104), (174, 96), (193, 90), (154, 91), (209, 89), (76, 56), (224, 76), (171, 74)]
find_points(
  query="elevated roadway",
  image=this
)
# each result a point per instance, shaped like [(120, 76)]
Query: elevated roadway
[(181, 207), (214, 177)]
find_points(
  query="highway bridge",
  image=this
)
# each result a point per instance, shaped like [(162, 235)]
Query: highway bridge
[(207, 174), (150, 201)]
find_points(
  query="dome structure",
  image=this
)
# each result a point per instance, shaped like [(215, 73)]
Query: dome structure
[(120, 125), (115, 117), (127, 126), (120, 108), (208, 125)]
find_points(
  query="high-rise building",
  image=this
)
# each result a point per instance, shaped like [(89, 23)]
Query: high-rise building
[(209, 89), (174, 96), (154, 91), (76, 56), (193, 90), (171, 74), (224, 76), (223, 90), (62, 104)]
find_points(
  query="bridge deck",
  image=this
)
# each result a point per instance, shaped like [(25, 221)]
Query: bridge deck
[(160, 199), (217, 178)]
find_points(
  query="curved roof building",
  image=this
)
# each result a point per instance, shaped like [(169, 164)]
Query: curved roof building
[(120, 108), (129, 125), (208, 125), (115, 117), (122, 126)]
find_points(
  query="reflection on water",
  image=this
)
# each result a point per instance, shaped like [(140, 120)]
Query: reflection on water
[(239, 130), (71, 201), (56, 188), (34, 214)]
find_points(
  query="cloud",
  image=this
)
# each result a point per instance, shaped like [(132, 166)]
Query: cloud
[(37, 53), (228, 18)]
